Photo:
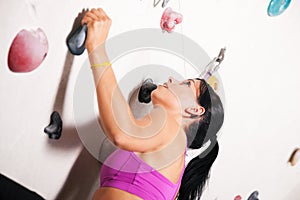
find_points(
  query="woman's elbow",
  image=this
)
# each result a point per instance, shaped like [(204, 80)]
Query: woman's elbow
[(118, 141)]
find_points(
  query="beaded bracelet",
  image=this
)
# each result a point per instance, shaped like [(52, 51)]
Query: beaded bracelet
[(105, 64)]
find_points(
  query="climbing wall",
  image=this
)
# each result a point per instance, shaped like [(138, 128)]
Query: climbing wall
[(259, 76)]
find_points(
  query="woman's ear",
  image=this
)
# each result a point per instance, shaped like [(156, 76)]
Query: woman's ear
[(195, 111)]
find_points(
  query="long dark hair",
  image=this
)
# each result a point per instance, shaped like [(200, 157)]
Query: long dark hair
[(198, 133)]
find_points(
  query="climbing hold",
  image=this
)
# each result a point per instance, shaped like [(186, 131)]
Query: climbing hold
[(295, 156), (276, 7), (253, 196), (28, 50), (145, 91), (238, 197), (55, 127), (169, 19), (214, 82), (76, 41)]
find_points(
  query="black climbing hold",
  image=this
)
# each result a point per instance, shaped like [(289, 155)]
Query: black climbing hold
[(253, 196), (55, 127), (145, 91), (76, 42)]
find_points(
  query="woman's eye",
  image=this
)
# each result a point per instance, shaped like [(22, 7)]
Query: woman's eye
[(188, 83)]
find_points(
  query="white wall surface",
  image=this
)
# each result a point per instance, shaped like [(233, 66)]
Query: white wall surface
[(260, 75)]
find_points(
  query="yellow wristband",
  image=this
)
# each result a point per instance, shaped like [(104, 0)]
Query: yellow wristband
[(105, 64)]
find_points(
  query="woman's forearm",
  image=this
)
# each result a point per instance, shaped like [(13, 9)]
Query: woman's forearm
[(115, 115)]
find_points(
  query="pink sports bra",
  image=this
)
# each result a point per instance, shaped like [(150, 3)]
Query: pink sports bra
[(126, 171)]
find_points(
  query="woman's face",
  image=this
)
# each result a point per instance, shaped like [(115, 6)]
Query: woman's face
[(177, 95)]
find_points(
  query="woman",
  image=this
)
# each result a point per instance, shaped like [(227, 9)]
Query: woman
[(149, 163)]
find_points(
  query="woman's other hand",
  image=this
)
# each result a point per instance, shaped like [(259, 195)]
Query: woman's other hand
[(98, 27)]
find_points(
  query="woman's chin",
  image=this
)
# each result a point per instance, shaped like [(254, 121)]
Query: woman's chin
[(156, 97)]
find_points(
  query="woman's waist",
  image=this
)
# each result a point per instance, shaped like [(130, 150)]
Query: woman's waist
[(104, 193)]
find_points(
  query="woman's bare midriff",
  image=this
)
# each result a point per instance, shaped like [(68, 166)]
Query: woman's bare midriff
[(172, 173), (114, 194)]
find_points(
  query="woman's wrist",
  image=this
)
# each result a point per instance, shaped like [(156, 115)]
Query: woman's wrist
[(90, 48), (98, 57)]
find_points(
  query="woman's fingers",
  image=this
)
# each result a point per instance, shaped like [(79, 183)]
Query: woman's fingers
[(86, 19), (90, 16), (98, 27), (103, 13), (95, 15), (100, 14)]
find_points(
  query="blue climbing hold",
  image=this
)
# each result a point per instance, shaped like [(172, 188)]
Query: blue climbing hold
[(276, 7)]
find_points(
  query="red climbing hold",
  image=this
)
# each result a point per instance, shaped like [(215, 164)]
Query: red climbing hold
[(238, 197), (169, 19), (27, 51)]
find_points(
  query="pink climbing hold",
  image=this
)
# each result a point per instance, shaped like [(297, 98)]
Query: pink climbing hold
[(169, 19), (238, 197), (27, 51)]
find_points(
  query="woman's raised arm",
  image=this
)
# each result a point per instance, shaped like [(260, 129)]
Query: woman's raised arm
[(146, 135)]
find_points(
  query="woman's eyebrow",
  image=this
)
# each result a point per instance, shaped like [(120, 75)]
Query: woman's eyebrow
[(192, 80)]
